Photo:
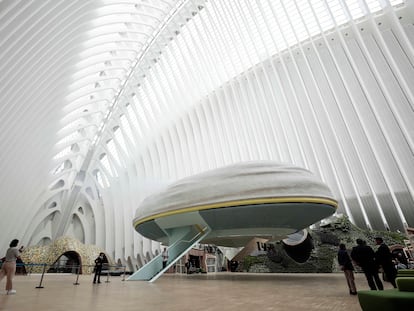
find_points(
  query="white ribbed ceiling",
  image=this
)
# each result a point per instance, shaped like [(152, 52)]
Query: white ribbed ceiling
[(102, 102)]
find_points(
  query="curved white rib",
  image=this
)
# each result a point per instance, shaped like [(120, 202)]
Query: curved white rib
[(104, 102)]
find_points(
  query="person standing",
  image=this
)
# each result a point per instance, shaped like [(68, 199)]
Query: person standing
[(401, 261), (346, 265), (188, 266), (99, 261), (383, 257), (164, 257), (9, 266), (364, 256)]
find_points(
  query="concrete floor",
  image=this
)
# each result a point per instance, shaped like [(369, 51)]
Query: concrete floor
[(222, 291)]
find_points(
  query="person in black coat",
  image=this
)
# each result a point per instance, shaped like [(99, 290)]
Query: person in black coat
[(383, 257), (364, 256), (346, 265), (99, 261)]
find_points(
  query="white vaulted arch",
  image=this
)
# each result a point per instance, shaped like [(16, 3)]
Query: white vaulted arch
[(105, 102)]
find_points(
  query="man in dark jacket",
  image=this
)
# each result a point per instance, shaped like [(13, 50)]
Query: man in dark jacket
[(364, 256), (346, 265), (383, 257)]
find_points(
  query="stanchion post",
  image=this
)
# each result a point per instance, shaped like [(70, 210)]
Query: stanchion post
[(123, 278), (77, 276), (41, 278), (107, 274), (30, 269)]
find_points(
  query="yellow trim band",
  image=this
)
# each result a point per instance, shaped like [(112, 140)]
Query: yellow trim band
[(326, 201)]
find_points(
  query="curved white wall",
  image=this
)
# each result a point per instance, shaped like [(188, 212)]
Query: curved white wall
[(137, 100)]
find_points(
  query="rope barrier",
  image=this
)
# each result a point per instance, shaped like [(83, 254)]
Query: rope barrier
[(78, 269)]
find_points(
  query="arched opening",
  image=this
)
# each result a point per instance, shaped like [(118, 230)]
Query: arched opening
[(68, 262)]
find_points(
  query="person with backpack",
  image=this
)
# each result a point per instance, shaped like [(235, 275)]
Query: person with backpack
[(383, 258)]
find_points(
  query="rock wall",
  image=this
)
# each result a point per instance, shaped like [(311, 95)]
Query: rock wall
[(49, 254), (326, 240)]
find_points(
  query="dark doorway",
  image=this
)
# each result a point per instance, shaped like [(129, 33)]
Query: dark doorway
[(195, 261), (68, 262)]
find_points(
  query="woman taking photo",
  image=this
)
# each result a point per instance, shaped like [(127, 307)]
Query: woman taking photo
[(9, 265)]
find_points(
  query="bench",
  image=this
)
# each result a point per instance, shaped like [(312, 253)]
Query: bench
[(400, 298)]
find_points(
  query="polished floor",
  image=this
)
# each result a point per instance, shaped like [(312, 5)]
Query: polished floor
[(222, 291)]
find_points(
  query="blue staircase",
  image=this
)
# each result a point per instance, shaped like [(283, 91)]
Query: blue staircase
[(182, 239)]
